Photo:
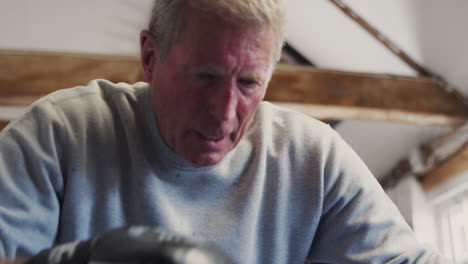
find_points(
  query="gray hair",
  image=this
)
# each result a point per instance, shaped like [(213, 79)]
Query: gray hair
[(167, 17)]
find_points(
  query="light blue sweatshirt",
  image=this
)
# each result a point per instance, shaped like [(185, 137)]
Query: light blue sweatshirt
[(85, 160)]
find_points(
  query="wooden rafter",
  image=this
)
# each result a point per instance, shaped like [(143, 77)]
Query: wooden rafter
[(449, 168), (28, 75), (430, 177), (324, 94), (328, 94), (3, 124), (435, 162)]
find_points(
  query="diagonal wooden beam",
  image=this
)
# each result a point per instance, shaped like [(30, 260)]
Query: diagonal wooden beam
[(324, 94), (3, 124), (433, 163), (449, 168)]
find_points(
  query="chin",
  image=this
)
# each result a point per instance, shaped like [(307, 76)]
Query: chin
[(206, 160)]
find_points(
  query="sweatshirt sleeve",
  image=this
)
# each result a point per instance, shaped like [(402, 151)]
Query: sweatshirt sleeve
[(359, 223), (30, 181)]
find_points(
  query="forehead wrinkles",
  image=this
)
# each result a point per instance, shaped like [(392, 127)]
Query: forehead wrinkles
[(258, 50), (212, 41), (243, 50), (242, 60)]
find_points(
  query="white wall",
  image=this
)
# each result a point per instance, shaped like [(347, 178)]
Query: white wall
[(103, 26), (417, 210), (381, 145), (443, 37), (332, 40)]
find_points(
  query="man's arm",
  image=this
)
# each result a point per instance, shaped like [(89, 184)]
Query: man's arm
[(359, 223), (30, 181)]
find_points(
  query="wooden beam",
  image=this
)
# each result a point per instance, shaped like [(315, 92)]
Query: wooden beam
[(453, 166), (3, 124), (28, 75), (331, 112), (383, 95), (324, 94), (434, 162)]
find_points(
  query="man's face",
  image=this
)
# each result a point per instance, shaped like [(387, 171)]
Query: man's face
[(208, 87)]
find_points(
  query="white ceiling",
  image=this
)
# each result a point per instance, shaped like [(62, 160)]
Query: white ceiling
[(431, 31)]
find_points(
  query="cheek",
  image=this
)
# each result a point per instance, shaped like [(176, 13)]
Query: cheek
[(247, 108), (178, 93), (189, 104), (183, 104)]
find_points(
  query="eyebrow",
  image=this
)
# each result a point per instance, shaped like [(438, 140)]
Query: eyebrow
[(257, 76), (208, 69)]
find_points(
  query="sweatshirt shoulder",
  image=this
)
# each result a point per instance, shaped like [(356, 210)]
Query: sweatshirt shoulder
[(97, 89), (96, 105)]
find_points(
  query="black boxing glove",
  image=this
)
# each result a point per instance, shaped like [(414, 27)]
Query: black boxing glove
[(132, 245)]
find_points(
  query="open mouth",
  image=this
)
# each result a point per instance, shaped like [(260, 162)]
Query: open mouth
[(214, 141), (210, 138)]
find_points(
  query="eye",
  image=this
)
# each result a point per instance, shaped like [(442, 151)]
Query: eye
[(249, 83)]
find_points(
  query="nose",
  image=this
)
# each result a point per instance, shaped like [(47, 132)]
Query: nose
[(223, 101)]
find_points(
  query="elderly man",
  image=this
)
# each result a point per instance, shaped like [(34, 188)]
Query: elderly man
[(194, 151)]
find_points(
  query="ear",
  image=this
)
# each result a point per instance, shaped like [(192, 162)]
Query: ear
[(149, 54)]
